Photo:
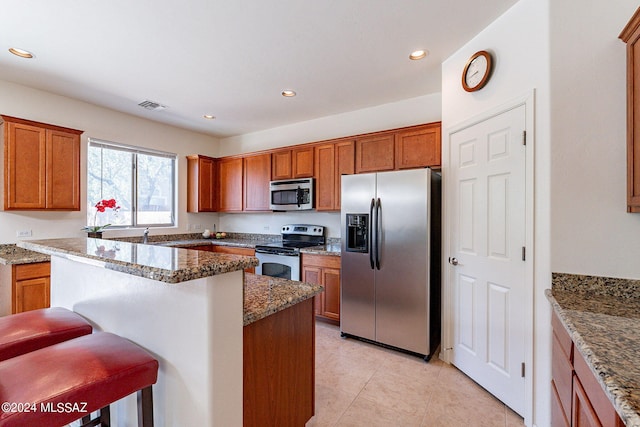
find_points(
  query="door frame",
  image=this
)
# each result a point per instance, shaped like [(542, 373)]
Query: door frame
[(448, 315)]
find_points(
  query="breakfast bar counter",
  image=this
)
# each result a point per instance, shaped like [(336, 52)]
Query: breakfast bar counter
[(191, 309)]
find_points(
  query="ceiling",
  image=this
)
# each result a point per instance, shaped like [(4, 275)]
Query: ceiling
[(233, 58)]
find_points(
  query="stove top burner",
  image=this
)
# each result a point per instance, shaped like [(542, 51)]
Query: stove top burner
[(294, 237)]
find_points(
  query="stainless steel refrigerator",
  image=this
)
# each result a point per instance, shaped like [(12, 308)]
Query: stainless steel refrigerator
[(390, 278)]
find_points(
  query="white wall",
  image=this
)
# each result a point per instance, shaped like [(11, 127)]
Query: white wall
[(413, 111), (591, 231), (519, 43), (97, 122)]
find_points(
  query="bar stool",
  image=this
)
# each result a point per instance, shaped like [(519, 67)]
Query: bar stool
[(70, 380), (24, 332)]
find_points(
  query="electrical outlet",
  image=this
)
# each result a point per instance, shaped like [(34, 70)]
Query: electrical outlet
[(265, 228), (197, 227), (23, 233)]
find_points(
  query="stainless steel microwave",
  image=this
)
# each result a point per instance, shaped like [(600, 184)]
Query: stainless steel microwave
[(291, 194)]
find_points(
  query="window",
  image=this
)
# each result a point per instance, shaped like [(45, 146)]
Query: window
[(142, 182)]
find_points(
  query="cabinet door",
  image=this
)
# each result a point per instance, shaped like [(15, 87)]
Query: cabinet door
[(418, 147), (302, 162), (32, 294), (344, 165), (24, 166), (257, 174), (63, 170), (331, 283), (583, 413), (281, 165), (375, 153), (30, 287), (230, 182), (325, 177), (201, 184), (558, 415), (631, 36), (314, 275)]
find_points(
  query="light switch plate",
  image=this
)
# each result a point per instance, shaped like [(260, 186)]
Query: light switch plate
[(24, 233)]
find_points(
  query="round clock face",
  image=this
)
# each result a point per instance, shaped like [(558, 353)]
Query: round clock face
[(476, 72)]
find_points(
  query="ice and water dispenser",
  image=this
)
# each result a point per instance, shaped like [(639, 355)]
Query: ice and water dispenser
[(357, 233)]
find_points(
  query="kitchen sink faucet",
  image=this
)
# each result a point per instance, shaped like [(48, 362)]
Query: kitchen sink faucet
[(145, 236)]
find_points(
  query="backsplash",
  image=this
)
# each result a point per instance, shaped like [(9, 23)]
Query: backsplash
[(596, 285)]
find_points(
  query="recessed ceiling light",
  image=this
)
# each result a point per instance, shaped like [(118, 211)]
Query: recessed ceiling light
[(21, 52), (209, 116), (418, 54), (288, 93)]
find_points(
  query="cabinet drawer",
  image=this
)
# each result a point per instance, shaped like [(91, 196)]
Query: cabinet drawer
[(234, 250), (328, 261), (560, 333), (31, 271)]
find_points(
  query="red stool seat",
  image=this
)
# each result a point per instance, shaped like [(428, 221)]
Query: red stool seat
[(95, 369), (24, 332)]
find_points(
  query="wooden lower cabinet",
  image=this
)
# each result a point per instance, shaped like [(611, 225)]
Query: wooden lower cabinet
[(577, 399), (324, 270), (279, 368), (29, 285)]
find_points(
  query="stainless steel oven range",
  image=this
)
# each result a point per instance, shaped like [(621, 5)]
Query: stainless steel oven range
[(282, 259)]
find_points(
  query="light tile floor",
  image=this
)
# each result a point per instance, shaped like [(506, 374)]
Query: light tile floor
[(359, 384)]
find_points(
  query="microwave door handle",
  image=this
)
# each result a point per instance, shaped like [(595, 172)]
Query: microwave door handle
[(371, 244)]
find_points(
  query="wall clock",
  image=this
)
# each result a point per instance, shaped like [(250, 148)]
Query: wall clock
[(477, 71)]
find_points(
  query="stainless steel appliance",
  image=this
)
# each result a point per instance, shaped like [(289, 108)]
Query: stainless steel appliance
[(291, 194), (390, 290), (282, 259)]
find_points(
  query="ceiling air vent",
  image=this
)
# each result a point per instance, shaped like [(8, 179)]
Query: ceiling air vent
[(153, 106)]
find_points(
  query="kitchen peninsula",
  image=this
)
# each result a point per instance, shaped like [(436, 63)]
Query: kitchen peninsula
[(186, 307)]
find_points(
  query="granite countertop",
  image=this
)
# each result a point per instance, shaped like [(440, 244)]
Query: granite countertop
[(265, 295), (12, 254), (238, 243), (165, 264), (602, 316), (328, 249)]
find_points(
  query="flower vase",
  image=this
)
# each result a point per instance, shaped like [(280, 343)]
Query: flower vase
[(95, 234)]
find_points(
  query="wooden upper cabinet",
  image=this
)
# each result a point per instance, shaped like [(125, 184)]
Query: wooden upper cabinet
[(345, 164), (631, 36), (418, 147), (325, 177), (332, 160), (230, 182), (302, 162), (292, 163), (375, 153), (257, 174), (201, 184), (41, 166), (281, 165)]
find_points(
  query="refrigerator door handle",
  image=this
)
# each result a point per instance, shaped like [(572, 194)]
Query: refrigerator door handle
[(371, 245), (378, 231)]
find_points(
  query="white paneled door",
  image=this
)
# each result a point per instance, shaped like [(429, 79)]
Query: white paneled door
[(487, 261)]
